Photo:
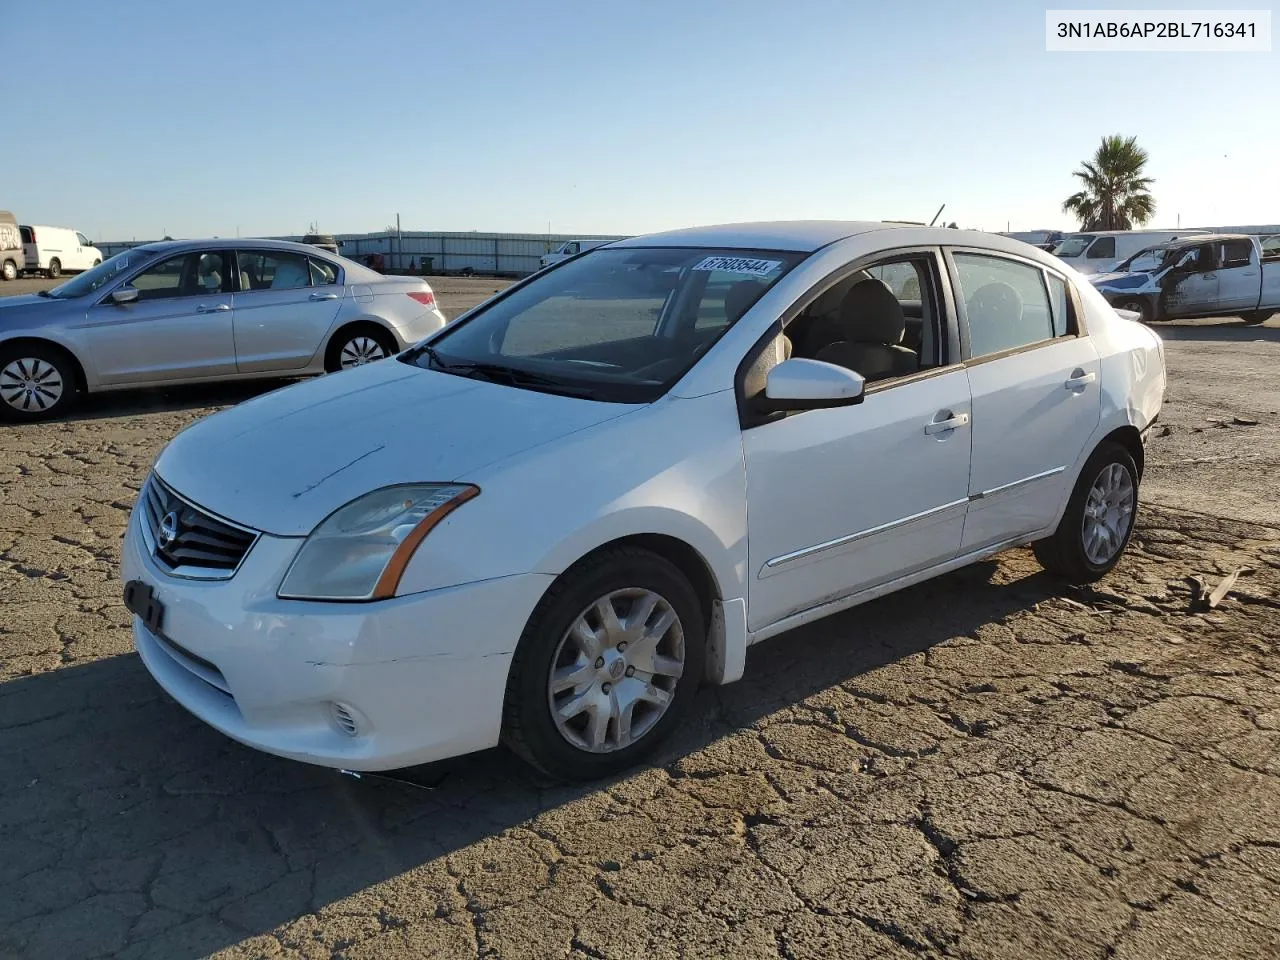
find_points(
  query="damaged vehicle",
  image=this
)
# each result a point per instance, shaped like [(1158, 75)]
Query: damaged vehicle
[(1220, 275), (548, 523)]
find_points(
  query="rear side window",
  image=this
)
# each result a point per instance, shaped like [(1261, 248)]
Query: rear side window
[(322, 274), (1103, 248), (1237, 253), (272, 270), (1006, 302)]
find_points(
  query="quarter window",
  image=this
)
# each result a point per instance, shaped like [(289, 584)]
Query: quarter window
[(1237, 253), (1006, 302), (1060, 306), (1103, 248), (272, 270)]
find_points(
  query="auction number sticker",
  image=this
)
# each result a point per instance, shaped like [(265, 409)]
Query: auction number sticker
[(747, 265)]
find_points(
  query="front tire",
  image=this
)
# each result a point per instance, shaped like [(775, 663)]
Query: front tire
[(1256, 317), (1098, 522), (55, 269), (36, 383), (607, 666), (1137, 305)]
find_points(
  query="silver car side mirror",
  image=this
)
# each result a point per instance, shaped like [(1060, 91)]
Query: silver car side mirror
[(803, 384), (125, 294)]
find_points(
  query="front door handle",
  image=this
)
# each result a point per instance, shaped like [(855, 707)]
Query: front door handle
[(216, 308), (324, 296), (947, 424), (1079, 380)]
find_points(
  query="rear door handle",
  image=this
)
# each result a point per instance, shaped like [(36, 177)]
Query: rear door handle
[(936, 426), (216, 308), (324, 296), (1079, 380)]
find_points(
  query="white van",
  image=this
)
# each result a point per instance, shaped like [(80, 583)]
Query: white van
[(570, 248), (1100, 250), (54, 251)]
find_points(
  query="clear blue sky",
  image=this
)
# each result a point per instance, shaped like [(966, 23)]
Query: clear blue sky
[(602, 116)]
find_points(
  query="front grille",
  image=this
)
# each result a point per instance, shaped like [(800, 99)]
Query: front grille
[(188, 541)]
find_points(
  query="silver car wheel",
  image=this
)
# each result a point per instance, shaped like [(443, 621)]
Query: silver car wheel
[(1108, 513), (30, 385), (614, 674), (360, 350)]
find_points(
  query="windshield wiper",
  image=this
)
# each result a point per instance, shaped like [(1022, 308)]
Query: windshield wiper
[(43, 293), (509, 376)]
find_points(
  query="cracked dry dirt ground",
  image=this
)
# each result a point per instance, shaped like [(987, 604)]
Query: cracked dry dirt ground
[(986, 766)]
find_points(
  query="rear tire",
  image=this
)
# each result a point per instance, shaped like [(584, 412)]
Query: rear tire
[(9, 271), (36, 383), (580, 714), (356, 345), (1096, 527), (1256, 317), (55, 269)]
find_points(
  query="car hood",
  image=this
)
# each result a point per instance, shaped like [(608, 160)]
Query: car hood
[(25, 300), (284, 461)]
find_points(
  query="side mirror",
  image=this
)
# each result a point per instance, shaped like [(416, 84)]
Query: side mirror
[(125, 294), (802, 384)]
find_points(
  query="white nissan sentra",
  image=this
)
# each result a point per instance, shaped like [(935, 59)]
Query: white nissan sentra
[(550, 522)]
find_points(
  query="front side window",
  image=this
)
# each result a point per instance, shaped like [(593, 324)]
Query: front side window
[(1006, 302), (272, 270), (174, 277), (1104, 248), (621, 325), (83, 241)]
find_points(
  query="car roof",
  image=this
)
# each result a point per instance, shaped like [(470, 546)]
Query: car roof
[(802, 236), (177, 246)]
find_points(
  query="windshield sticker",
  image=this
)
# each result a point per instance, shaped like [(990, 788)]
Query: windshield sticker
[(747, 265)]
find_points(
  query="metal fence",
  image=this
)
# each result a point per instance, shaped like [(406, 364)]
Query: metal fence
[(511, 254)]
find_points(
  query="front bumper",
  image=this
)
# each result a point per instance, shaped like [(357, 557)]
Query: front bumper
[(361, 686)]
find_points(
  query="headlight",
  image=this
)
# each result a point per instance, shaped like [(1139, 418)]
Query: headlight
[(360, 551)]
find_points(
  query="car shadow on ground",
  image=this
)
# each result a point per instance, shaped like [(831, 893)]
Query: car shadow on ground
[(108, 780), (132, 403), (1228, 331)]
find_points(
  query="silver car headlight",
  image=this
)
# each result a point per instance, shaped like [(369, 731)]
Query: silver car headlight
[(360, 551)]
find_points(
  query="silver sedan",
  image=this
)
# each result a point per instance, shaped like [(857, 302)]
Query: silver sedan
[(190, 311)]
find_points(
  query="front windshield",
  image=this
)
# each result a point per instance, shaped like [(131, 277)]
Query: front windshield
[(620, 325), (1073, 246), (100, 276), (1144, 260)]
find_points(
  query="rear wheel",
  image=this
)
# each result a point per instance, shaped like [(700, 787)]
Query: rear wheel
[(607, 666), (1138, 306), (36, 383), (358, 345), (9, 270), (55, 269), (1256, 317), (1098, 521)]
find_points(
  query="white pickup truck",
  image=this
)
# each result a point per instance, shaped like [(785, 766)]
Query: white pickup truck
[(1215, 275), (570, 248)]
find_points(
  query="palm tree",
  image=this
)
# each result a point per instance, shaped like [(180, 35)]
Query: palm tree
[(1115, 194)]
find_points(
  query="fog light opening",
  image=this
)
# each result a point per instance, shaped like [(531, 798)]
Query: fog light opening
[(345, 719)]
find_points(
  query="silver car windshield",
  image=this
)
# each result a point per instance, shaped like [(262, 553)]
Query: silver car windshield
[(618, 324), (100, 276)]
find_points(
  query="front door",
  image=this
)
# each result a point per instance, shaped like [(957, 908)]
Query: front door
[(285, 303), (179, 328), (1239, 276), (1191, 288), (1036, 395)]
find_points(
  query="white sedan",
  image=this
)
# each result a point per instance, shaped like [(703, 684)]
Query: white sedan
[(550, 522)]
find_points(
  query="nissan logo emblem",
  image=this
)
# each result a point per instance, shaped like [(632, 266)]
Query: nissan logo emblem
[(168, 529)]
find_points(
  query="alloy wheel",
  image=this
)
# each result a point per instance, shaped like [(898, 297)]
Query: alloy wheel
[(30, 385)]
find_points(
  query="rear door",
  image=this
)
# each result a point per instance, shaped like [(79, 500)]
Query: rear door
[(179, 328), (285, 303), (1239, 275), (1033, 373)]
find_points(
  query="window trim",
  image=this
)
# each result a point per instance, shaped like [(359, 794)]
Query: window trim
[(1075, 320), (105, 299), (948, 336)]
